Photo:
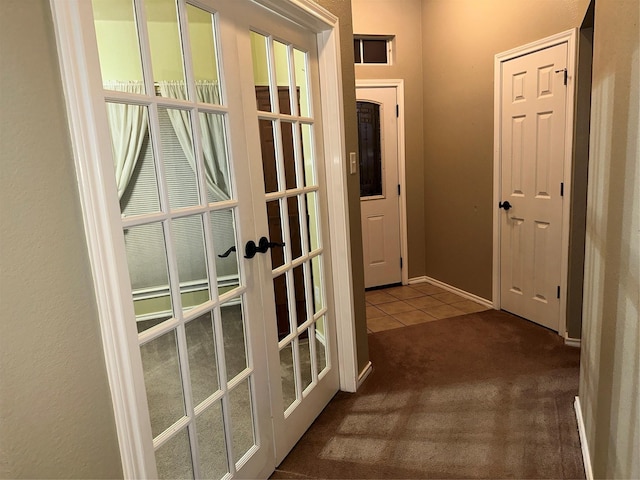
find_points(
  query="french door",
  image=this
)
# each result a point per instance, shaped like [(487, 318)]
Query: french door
[(209, 125)]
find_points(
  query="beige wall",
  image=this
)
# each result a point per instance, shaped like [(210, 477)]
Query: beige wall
[(401, 18), (460, 39), (579, 183), (342, 9), (610, 363), (56, 418)]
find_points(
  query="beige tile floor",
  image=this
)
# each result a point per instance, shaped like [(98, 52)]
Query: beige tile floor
[(397, 307)]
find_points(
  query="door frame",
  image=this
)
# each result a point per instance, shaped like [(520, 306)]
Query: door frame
[(80, 73), (398, 84), (570, 38)]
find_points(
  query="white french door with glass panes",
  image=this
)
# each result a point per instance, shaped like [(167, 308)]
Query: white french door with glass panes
[(284, 133), (207, 127)]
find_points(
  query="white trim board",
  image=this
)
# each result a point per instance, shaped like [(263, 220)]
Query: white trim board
[(86, 123), (584, 446), (398, 84), (452, 289), (572, 342), (338, 202), (570, 37)]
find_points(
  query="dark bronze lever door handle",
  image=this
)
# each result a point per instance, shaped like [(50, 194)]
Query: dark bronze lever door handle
[(264, 245), (228, 252)]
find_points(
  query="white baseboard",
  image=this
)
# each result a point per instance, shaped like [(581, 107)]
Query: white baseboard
[(414, 280), (366, 371), (572, 342), (452, 289), (586, 457)]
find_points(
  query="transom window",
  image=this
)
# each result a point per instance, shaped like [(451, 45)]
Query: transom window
[(372, 49)]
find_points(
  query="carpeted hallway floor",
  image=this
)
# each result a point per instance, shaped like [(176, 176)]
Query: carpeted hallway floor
[(482, 395)]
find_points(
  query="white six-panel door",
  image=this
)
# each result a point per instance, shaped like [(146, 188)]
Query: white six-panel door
[(532, 152)]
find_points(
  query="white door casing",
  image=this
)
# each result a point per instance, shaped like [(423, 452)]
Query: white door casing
[(534, 117), (380, 213), (82, 81)]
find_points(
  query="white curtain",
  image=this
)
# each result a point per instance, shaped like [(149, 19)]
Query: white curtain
[(128, 124), (212, 131)]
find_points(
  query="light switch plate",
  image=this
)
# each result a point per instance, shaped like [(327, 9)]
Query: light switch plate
[(353, 163)]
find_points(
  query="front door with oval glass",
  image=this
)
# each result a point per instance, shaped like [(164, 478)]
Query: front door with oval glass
[(379, 188), (214, 131)]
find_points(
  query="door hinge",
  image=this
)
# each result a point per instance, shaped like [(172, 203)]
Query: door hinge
[(400, 262), (397, 110), (562, 189), (558, 291), (566, 74), (398, 189)]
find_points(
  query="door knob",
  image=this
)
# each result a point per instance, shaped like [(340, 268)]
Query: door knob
[(506, 205)]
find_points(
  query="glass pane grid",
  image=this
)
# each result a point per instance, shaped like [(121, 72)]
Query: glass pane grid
[(279, 162), (144, 219), (191, 259), (203, 358), (289, 265), (222, 241), (165, 42), (185, 373), (299, 158), (308, 154), (303, 218), (305, 325), (295, 234), (297, 366), (211, 439), (234, 333), (276, 195), (164, 385), (181, 125), (171, 432), (291, 297), (202, 39), (240, 410), (180, 445), (288, 375), (308, 363), (301, 70)]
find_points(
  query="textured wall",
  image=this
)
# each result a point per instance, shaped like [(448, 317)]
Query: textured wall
[(342, 10), (460, 39), (401, 18), (56, 418), (610, 363)]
